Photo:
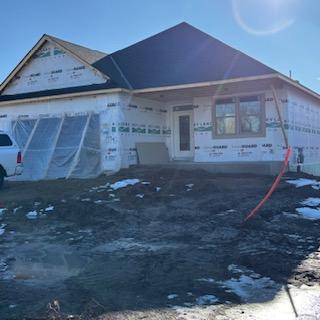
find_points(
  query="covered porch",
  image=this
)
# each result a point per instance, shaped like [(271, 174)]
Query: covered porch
[(222, 139)]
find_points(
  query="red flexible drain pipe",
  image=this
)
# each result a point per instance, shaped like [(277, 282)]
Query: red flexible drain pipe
[(285, 162), (273, 187)]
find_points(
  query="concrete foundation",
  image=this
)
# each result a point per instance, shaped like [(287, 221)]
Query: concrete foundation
[(271, 168)]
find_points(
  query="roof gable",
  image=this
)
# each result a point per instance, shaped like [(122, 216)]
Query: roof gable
[(89, 55), (180, 55), (54, 64)]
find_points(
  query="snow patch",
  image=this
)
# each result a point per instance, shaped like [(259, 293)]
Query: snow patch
[(3, 265), (210, 280), (50, 208), (309, 213), (246, 287), (3, 210), (32, 214), (98, 201), (140, 195), (124, 183), (172, 296), (16, 209), (304, 182), (2, 229), (311, 202)]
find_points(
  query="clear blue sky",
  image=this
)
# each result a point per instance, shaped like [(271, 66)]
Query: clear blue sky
[(283, 34)]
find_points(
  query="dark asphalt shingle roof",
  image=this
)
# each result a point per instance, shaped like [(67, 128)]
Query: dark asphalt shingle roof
[(179, 55)]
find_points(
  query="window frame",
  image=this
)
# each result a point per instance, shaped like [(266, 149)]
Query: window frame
[(238, 134)]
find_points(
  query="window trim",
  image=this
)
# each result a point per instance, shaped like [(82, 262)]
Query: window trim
[(238, 135)]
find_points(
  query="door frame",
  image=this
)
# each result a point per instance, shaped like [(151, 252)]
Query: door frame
[(177, 154)]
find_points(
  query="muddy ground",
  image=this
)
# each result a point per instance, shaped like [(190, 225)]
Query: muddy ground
[(173, 246)]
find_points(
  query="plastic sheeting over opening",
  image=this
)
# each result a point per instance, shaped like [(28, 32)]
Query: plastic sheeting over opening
[(59, 147)]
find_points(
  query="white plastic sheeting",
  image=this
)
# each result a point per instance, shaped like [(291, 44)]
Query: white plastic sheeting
[(66, 147), (88, 162), (59, 147), (40, 148), (22, 131)]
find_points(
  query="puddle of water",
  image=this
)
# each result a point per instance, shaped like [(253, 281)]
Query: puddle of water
[(43, 264)]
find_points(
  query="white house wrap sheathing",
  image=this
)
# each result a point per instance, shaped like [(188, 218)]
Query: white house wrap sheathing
[(210, 148), (52, 68), (128, 121), (304, 131), (85, 136), (140, 120)]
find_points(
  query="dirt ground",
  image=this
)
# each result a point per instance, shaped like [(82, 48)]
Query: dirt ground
[(172, 246)]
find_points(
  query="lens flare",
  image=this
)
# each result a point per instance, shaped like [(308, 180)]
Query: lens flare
[(277, 15)]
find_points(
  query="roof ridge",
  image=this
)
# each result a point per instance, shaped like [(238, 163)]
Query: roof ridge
[(153, 36), (229, 46), (184, 23)]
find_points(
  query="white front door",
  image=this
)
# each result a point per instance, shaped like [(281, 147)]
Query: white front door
[(183, 134)]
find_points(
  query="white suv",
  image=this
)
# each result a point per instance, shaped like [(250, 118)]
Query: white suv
[(10, 157)]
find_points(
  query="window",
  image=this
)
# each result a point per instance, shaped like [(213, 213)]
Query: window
[(5, 141), (239, 117), (226, 117), (250, 115)]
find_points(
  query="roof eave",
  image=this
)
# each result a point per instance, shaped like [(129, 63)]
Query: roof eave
[(204, 84), (299, 86), (64, 96), (235, 80)]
